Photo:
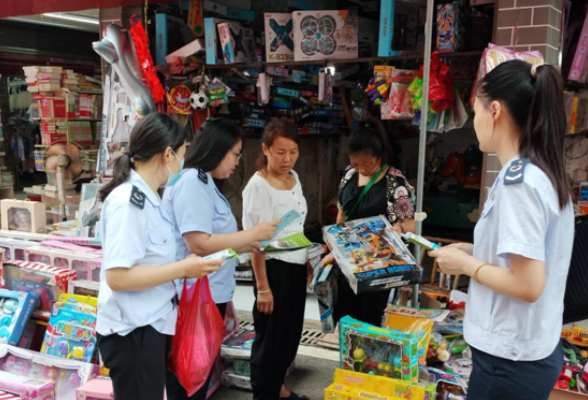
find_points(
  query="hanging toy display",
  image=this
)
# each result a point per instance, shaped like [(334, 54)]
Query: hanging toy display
[(117, 50), (141, 43), (379, 86), (217, 93), (179, 99), (199, 100)]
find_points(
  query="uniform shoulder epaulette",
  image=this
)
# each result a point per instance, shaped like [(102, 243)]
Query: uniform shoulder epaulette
[(203, 177), (137, 197), (516, 171)]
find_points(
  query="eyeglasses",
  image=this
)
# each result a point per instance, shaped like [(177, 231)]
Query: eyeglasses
[(239, 156)]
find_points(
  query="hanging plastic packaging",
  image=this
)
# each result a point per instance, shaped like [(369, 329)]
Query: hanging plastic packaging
[(199, 334)]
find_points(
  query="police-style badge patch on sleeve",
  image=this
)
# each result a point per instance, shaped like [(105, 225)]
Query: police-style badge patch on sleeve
[(137, 197), (516, 171)]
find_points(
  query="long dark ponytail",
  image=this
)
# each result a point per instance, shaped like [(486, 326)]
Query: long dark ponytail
[(150, 136), (534, 99)]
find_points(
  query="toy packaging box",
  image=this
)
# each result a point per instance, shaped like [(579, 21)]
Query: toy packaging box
[(279, 37), (401, 99), (238, 43), (27, 388), (320, 35), (96, 389), (48, 281), (372, 350), (15, 248), (85, 261), (84, 288), (24, 216), (370, 256), (325, 287), (71, 332), (15, 311), (238, 345), (399, 27), (214, 53), (434, 376), (449, 27), (350, 385), (66, 375)]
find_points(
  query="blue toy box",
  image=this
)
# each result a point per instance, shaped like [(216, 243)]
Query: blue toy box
[(15, 311), (214, 53), (378, 351), (71, 332)]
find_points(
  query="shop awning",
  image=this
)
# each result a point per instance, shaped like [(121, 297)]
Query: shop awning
[(17, 8)]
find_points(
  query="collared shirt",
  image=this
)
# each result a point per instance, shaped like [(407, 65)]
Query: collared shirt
[(131, 236), (523, 219), (196, 205), (264, 203)]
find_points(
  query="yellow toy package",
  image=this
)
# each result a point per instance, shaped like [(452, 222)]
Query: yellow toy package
[(419, 322), (350, 385)]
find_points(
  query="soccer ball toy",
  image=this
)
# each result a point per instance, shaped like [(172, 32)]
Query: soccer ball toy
[(199, 100)]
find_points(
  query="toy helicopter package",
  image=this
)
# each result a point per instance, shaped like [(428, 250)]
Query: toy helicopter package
[(279, 37), (323, 35), (370, 256)]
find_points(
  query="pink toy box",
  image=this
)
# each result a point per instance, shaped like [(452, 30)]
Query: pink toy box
[(96, 389), (579, 65), (48, 281), (65, 375), (85, 261), (15, 248), (27, 388)]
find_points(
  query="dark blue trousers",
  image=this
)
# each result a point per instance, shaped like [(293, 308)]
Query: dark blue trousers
[(495, 378)]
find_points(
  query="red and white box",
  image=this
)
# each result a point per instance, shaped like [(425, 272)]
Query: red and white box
[(8, 396)]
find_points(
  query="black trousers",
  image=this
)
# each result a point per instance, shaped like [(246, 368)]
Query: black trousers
[(137, 363), (175, 391), (277, 335), (367, 307), (495, 378)]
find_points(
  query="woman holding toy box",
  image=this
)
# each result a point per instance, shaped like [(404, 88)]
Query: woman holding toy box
[(371, 187), (280, 281), (137, 309), (204, 223), (523, 241)]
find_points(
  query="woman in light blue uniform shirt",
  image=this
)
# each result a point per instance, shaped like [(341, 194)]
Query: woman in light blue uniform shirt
[(136, 306), (523, 241), (202, 216)]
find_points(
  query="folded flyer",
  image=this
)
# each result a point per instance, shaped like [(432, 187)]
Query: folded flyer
[(227, 254), (287, 219), (296, 241)]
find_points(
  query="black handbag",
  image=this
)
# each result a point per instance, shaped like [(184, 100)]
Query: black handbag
[(576, 296)]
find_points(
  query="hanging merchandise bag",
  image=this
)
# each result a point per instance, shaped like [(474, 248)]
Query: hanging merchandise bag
[(576, 297), (199, 334)]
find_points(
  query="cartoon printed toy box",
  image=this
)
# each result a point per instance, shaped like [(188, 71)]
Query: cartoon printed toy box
[(370, 256), (71, 332), (372, 350), (349, 385), (15, 311)]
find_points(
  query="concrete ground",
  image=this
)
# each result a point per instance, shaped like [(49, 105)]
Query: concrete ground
[(311, 376)]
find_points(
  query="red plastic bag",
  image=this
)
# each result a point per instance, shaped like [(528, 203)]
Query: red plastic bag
[(199, 334)]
